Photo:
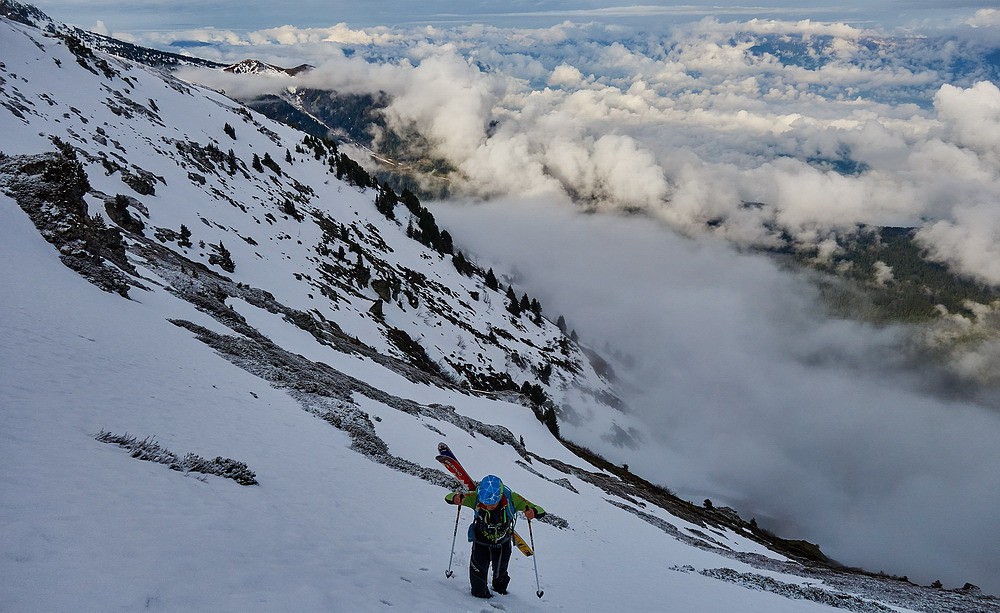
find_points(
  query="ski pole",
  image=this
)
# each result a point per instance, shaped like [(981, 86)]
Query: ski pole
[(534, 558), (448, 573)]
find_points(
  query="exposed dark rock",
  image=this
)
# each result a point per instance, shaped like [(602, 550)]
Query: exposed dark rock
[(50, 188)]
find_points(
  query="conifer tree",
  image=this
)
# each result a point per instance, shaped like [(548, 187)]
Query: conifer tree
[(491, 280), (410, 201), (446, 246), (537, 394), (512, 304), (270, 163), (385, 201), (461, 265), (429, 233), (536, 309), (288, 208), (361, 272), (222, 258), (551, 422)]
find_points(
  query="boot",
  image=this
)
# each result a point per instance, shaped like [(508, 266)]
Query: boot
[(500, 583)]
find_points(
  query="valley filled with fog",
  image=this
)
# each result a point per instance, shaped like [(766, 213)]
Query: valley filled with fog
[(749, 396)]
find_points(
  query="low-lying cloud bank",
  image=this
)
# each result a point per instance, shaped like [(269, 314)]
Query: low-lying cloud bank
[(825, 125), (817, 427)]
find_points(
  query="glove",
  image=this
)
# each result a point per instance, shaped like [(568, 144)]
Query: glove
[(533, 512), (457, 499)]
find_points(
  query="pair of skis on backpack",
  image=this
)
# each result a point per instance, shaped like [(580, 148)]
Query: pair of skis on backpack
[(448, 459)]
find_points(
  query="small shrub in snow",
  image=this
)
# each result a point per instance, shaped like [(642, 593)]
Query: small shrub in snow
[(149, 450), (223, 467)]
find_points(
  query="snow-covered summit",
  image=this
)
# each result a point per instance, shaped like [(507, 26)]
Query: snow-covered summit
[(187, 280), (252, 66), (26, 14)]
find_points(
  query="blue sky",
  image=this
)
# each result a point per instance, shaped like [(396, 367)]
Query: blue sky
[(134, 16)]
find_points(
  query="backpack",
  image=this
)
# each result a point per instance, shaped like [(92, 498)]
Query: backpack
[(493, 527)]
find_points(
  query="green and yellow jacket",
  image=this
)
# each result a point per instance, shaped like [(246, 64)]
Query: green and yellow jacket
[(493, 527)]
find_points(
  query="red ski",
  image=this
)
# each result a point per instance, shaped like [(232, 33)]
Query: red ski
[(446, 457)]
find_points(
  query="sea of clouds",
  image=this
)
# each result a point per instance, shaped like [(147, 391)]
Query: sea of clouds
[(823, 428), (826, 125)]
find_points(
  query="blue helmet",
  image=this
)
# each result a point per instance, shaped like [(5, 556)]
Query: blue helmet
[(490, 490)]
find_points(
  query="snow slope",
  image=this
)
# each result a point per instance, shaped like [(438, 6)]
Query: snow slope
[(87, 528), (336, 422), (147, 127)]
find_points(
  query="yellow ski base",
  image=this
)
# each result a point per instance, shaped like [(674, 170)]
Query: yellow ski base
[(522, 545)]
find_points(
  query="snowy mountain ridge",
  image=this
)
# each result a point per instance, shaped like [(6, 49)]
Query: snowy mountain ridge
[(29, 15), (252, 66), (254, 296)]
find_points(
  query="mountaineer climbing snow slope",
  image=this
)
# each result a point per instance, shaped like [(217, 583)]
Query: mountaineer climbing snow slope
[(201, 400)]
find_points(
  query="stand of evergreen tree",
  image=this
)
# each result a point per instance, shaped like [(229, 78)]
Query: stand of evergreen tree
[(270, 163)]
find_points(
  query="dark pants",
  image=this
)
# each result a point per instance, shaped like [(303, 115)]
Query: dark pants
[(482, 556)]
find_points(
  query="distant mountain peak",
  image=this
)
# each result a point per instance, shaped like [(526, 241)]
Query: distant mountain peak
[(254, 66), (25, 13)]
